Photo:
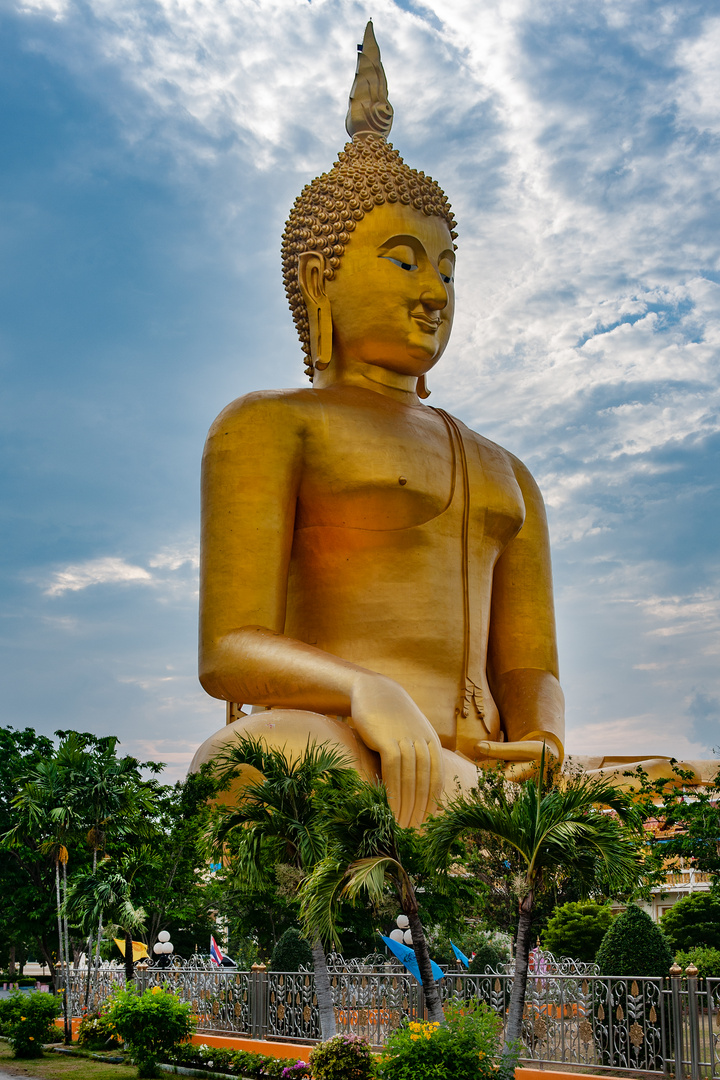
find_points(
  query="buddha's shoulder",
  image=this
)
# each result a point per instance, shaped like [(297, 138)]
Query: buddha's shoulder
[(495, 457), (266, 409)]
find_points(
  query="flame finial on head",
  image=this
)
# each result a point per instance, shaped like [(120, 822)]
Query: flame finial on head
[(369, 111)]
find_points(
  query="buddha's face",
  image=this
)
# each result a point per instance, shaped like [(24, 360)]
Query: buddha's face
[(392, 299)]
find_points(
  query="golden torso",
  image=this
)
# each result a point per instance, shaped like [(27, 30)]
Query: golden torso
[(376, 571)]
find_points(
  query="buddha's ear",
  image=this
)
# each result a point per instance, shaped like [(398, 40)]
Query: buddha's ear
[(311, 278)]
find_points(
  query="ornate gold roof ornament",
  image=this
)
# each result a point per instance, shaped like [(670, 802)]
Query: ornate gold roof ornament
[(369, 110), (367, 173)]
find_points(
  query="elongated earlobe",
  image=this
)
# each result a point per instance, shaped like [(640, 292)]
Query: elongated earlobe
[(322, 352), (422, 388), (311, 278)]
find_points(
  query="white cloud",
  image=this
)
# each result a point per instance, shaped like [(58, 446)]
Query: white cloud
[(112, 570), (107, 571)]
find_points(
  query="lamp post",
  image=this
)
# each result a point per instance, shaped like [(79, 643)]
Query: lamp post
[(163, 949), (402, 934)]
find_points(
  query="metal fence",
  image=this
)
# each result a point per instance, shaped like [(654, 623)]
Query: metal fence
[(665, 1026)]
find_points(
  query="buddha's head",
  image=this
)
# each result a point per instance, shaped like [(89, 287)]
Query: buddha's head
[(368, 251)]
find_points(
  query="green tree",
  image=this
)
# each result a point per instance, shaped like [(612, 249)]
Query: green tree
[(693, 921), (577, 928), (365, 852), (549, 824), (705, 959), (278, 821), (634, 946), (28, 911)]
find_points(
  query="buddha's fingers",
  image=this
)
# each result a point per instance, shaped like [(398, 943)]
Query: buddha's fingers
[(529, 750), (391, 765), (407, 782), (423, 777)]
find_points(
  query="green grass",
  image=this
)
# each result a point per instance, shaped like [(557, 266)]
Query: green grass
[(53, 1066)]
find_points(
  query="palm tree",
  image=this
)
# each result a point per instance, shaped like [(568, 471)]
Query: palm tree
[(551, 825), (278, 820), (105, 895), (364, 844)]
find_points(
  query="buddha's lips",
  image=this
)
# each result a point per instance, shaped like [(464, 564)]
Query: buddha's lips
[(431, 325)]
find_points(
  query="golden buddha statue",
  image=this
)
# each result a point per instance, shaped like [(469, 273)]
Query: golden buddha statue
[(374, 574)]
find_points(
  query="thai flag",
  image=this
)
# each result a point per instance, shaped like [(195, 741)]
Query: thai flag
[(215, 955)]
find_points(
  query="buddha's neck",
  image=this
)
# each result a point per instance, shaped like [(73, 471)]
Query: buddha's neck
[(389, 383)]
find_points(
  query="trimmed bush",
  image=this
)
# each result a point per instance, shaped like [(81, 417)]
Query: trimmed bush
[(346, 1057), (152, 1024), (486, 953), (706, 960), (291, 951), (693, 922), (634, 946), (27, 1021), (577, 929)]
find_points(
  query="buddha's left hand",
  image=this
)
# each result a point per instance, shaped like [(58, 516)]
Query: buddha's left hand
[(522, 756)]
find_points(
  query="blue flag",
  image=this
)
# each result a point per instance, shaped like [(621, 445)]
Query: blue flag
[(461, 956), (407, 958)]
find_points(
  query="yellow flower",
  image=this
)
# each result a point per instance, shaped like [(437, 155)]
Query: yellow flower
[(31, 1038), (157, 989), (22, 1017)]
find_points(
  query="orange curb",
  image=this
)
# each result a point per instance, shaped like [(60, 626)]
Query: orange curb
[(253, 1046)]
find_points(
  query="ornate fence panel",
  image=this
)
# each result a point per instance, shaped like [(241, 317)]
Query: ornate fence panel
[(102, 985), (221, 999), (579, 1020), (373, 1005), (292, 1012)]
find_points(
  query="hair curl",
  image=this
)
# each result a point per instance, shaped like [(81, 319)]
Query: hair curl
[(368, 173)]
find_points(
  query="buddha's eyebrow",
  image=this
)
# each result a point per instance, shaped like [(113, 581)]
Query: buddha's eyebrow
[(402, 238)]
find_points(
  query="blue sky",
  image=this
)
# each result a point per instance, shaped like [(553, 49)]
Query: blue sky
[(151, 152)]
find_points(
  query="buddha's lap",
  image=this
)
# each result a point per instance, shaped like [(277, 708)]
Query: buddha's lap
[(293, 729)]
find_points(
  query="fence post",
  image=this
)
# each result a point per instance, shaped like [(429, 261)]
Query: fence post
[(694, 1019), (258, 1002), (676, 1007)]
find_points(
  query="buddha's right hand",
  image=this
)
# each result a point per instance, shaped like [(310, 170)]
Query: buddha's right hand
[(389, 722)]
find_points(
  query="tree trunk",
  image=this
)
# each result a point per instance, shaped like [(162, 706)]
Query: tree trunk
[(129, 967), (66, 947), (422, 955), (522, 955), (67, 1029), (11, 962), (323, 991)]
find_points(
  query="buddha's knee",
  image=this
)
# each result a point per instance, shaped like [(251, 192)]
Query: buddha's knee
[(290, 730)]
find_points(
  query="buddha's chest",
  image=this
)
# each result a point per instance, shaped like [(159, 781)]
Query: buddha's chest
[(395, 469)]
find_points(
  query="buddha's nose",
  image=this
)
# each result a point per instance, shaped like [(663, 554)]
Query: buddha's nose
[(434, 295)]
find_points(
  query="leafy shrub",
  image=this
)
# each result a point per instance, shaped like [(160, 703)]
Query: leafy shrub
[(346, 1057), (291, 951), (705, 959), (465, 1047), (234, 1062), (693, 921), (634, 946), (577, 929), (97, 1032), (152, 1024), (27, 1021)]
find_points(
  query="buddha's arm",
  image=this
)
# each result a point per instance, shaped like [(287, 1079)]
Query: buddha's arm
[(252, 469), (522, 653)]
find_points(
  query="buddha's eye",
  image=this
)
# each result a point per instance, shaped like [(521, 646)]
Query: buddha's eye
[(402, 265), (446, 270)]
